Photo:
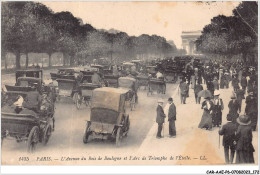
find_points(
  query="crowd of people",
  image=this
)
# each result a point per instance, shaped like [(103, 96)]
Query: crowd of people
[(237, 132)]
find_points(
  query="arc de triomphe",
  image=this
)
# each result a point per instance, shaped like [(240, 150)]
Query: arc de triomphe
[(188, 41)]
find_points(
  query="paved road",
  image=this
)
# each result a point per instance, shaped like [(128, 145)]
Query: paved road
[(66, 140)]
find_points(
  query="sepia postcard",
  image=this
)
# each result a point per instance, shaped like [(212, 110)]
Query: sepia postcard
[(130, 83)]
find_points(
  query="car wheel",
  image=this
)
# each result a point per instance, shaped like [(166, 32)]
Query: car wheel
[(47, 134), (33, 139), (118, 136)]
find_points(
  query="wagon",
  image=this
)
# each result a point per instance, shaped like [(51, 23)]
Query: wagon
[(158, 85), (108, 119), (129, 84), (26, 126)]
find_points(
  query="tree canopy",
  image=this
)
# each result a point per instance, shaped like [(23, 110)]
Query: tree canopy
[(33, 27), (232, 35)]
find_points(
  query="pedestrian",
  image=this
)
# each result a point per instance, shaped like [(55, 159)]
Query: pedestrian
[(210, 87), (240, 96), (183, 88), (160, 118), (252, 109), (216, 84), (233, 108), (206, 120), (235, 82), (172, 118), (198, 87), (244, 83), (229, 135), (218, 107), (244, 137)]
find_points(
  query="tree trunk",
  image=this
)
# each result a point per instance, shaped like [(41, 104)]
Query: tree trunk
[(49, 54), (64, 59), (18, 58), (4, 55), (72, 59), (26, 60)]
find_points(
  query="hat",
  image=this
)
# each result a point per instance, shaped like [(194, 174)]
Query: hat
[(233, 96), (170, 99), (160, 100), (243, 120), (217, 92)]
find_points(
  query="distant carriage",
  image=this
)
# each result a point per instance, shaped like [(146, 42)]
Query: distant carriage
[(158, 85)]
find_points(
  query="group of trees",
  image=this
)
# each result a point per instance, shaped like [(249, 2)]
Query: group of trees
[(33, 27), (234, 35)]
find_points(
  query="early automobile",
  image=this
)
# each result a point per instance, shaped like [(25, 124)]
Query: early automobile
[(35, 73), (108, 119), (158, 85), (131, 86), (24, 125), (63, 73)]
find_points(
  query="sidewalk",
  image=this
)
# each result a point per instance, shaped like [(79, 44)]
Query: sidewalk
[(191, 142)]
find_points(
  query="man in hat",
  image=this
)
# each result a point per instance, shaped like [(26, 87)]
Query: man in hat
[(229, 132), (252, 109), (217, 109), (235, 82), (216, 84), (198, 87), (244, 83), (233, 108), (240, 96), (160, 118), (183, 88), (172, 118), (244, 147)]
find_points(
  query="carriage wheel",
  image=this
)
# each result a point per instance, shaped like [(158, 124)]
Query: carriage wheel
[(118, 136), (47, 134), (128, 125), (132, 103), (53, 124), (86, 133), (78, 100), (88, 103), (33, 139)]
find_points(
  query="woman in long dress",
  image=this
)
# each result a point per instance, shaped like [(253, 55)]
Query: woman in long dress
[(244, 147), (206, 120)]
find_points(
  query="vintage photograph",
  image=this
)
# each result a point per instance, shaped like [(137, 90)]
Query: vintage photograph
[(129, 83)]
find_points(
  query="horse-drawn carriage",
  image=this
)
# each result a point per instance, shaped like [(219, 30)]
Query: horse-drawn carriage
[(23, 124), (158, 85), (131, 86), (108, 119), (63, 73)]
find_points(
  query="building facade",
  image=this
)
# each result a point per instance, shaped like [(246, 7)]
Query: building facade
[(188, 41)]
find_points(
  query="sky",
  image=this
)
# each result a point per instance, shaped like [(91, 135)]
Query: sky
[(167, 19)]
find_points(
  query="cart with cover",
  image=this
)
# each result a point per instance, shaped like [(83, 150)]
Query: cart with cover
[(129, 84), (67, 88), (108, 119), (25, 125)]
